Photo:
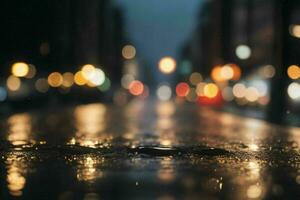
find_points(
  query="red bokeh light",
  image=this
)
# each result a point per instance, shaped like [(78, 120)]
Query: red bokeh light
[(182, 89)]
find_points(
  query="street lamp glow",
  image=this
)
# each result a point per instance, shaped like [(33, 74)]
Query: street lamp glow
[(20, 69), (167, 65), (243, 52)]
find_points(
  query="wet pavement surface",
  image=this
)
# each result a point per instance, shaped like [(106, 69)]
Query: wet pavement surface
[(146, 150)]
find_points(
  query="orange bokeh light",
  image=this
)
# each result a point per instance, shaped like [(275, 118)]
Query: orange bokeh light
[(136, 88)]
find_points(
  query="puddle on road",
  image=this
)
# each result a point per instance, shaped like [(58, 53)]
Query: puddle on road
[(155, 151)]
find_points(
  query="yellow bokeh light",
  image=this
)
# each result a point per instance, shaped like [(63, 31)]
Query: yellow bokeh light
[(293, 72), (68, 79), (128, 52), (210, 90), (167, 65), (79, 78), (87, 71), (13, 83), (20, 69), (55, 79)]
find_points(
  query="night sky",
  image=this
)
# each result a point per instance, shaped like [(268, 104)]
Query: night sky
[(159, 28)]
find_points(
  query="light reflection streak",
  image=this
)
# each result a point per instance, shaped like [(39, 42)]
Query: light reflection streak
[(16, 171), (20, 129), (164, 126), (90, 122), (166, 172), (88, 168)]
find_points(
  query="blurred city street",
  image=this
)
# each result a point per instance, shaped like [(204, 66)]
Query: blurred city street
[(146, 150), (136, 99)]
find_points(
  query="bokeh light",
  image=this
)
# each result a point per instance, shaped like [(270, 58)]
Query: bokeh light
[(251, 94), (20, 69), (32, 71), (239, 90), (210, 90), (182, 89), (293, 71), (79, 78), (243, 52), (68, 79), (195, 78), (55, 79), (267, 71), (167, 65), (216, 74), (97, 77), (294, 30), (164, 92), (294, 90), (41, 85), (105, 86), (136, 88), (227, 72), (128, 52), (87, 71), (13, 83)]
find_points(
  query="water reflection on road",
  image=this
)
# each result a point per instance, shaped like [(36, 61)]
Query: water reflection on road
[(146, 150)]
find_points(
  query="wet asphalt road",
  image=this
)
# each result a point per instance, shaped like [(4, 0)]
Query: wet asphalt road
[(146, 150)]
